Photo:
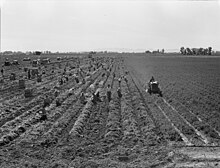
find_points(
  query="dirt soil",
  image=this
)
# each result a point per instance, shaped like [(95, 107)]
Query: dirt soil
[(138, 130)]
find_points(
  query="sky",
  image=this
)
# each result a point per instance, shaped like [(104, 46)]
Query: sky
[(125, 25)]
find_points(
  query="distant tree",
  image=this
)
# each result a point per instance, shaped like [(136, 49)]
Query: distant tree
[(193, 51), (8, 52), (162, 51), (189, 51), (201, 51), (38, 53), (182, 50), (206, 51), (147, 51), (210, 50)]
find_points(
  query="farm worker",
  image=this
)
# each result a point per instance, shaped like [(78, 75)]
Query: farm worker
[(152, 79), (56, 93), (2, 71), (119, 81), (125, 78), (82, 98), (97, 94), (94, 98), (29, 74), (92, 88), (66, 78), (61, 81), (43, 115), (46, 102), (58, 102), (83, 81), (103, 74), (119, 92), (109, 93), (113, 75), (39, 78), (76, 79)]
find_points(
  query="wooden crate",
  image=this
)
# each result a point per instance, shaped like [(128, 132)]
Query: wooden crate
[(28, 92), (22, 84)]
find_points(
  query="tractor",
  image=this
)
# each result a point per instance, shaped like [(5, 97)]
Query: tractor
[(153, 87)]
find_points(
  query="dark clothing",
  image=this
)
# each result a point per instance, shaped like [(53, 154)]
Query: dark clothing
[(152, 79), (126, 80), (29, 74), (77, 80), (98, 97), (58, 103), (67, 78), (43, 115), (119, 81), (83, 81), (109, 93), (82, 99), (119, 93), (46, 102), (56, 93), (2, 71), (95, 98)]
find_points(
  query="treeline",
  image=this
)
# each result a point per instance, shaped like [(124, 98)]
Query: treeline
[(162, 51), (26, 53), (196, 51)]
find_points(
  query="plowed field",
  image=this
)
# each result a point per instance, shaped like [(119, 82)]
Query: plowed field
[(135, 130)]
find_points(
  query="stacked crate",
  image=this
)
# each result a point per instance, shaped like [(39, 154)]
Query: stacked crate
[(28, 92), (22, 84)]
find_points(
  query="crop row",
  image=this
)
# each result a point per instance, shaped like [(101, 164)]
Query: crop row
[(37, 101), (197, 111), (67, 120), (160, 119)]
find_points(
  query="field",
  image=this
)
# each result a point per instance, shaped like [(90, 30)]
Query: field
[(180, 129)]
